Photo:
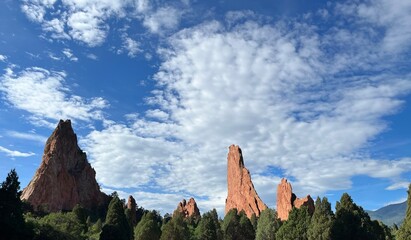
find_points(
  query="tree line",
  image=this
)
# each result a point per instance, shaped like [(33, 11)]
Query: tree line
[(350, 221)]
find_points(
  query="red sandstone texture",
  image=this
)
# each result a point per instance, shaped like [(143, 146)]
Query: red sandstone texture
[(241, 192), (286, 200), (188, 209), (65, 177)]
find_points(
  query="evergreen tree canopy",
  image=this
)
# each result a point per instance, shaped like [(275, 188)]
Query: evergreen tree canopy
[(67, 224), (237, 226), (175, 229), (11, 209), (296, 226), (149, 228), (352, 222), (116, 225), (209, 227), (322, 221), (404, 232), (268, 225)]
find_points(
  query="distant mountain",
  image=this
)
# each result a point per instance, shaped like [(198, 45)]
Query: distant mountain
[(390, 214)]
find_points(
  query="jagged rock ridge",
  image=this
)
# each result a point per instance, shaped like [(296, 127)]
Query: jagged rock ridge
[(188, 209), (286, 200), (65, 177), (241, 192)]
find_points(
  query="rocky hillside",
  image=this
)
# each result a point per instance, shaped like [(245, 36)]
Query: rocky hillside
[(393, 213)]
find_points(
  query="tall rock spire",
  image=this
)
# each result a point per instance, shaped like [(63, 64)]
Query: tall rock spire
[(241, 192), (65, 177)]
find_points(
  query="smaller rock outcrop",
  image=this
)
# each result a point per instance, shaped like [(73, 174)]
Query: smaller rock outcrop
[(286, 200), (241, 192), (188, 209), (132, 206)]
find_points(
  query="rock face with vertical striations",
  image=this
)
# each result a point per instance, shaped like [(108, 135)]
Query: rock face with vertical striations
[(241, 192), (188, 209), (286, 200), (65, 177)]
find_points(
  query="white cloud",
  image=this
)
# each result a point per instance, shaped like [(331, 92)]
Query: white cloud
[(394, 18), (89, 21), (52, 99), (131, 46), (56, 27), (92, 56), (84, 21), (279, 91), (399, 185), (163, 19), (3, 58), (69, 54), (87, 28), (28, 136), (142, 5), (13, 153), (157, 114)]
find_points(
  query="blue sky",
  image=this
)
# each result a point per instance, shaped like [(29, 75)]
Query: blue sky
[(157, 91)]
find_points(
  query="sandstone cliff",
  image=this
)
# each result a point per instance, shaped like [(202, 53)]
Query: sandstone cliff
[(65, 177), (286, 200), (241, 192), (188, 209)]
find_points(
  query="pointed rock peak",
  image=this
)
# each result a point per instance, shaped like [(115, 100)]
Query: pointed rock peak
[(235, 156), (63, 129), (65, 177), (286, 200), (241, 192), (188, 209), (132, 206), (131, 203)]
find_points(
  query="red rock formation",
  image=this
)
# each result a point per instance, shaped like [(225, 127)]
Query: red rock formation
[(241, 192), (188, 209), (64, 178), (286, 200), (132, 206)]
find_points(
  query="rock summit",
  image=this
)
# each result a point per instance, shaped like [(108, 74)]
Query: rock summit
[(188, 209), (241, 192), (65, 178)]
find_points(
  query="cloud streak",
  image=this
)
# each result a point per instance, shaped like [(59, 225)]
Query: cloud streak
[(14, 153)]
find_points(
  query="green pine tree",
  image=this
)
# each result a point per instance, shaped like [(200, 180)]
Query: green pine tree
[(246, 228), (11, 209), (268, 225), (404, 232), (322, 221), (116, 226), (296, 226), (175, 229), (237, 226), (209, 228), (352, 222), (149, 227)]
